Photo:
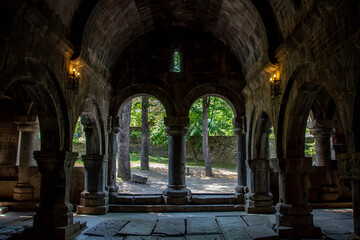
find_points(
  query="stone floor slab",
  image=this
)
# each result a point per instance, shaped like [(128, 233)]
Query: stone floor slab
[(153, 238), (138, 227), (262, 232), (107, 228), (232, 228), (253, 220), (202, 225), (105, 238), (205, 237), (170, 227)]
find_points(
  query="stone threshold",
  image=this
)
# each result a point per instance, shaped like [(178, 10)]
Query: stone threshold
[(175, 208), (158, 199)]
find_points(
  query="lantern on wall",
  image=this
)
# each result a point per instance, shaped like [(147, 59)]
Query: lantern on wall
[(74, 78), (275, 86)]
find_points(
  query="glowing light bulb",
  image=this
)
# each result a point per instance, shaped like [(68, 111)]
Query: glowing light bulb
[(274, 76), (78, 74), (74, 70)]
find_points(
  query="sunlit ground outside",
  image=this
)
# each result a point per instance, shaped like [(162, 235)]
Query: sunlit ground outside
[(224, 180)]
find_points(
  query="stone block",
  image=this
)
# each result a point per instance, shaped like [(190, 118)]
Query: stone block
[(138, 179)]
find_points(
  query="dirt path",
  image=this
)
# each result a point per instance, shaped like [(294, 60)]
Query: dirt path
[(224, 180)]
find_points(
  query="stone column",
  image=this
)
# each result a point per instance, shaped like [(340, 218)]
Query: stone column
[(113, 131), (349, 169), (259, 199), (293, 212), (54, 217), (176, 192), (322, 129), (23, 191), (239, 131), (94, 199)]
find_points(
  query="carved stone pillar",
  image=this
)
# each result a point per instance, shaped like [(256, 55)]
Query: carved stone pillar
[(113, 131), (293, 213), (349, 169), (54, 217), (259, 199), (94, 199), (239, 131), (176, 192), (23, 191), (322, 129)]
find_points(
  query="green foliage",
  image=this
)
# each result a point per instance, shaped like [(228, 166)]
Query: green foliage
[(156, 120), (79, 135), (177, 61), (309, 145), (219, 119)]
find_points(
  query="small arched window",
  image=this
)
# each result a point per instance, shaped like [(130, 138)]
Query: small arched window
[(176, 60)]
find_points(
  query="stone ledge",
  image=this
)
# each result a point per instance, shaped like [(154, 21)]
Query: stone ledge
[(176, 208)]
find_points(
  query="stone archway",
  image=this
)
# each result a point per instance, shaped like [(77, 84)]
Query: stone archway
[(54, 161), (94, 198), (259, 199)]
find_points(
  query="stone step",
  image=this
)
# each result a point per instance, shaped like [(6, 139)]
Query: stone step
[(213, 199), (175, 208)]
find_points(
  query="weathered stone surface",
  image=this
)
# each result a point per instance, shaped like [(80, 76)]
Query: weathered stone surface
[(107, 228), (232, 227), (261, 232), (138, 227), (202, 225), (170, 227), (205, 237), (254, 220)]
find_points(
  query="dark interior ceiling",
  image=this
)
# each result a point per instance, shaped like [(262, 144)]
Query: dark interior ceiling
[(111, 25)]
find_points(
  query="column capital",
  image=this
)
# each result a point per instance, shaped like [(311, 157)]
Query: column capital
[(349, 165), (55, 159), (177, 126), (292, 165), (113, 124), (28, 127), (321, 127), (88, 120), (239, 124)]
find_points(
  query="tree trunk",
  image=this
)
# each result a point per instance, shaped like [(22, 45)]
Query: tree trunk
[(145, 133), (124, 170), (205, 140)]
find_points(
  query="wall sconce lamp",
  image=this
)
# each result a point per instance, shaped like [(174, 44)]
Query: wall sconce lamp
[(275, 86), (74, 80)]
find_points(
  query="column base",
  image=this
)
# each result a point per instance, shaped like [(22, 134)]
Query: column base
[(259, 209), (173, 196), (113, 189), (298, 232), (93, 206), (57, 233), (240, 194), (259, 203), (23, 192)]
